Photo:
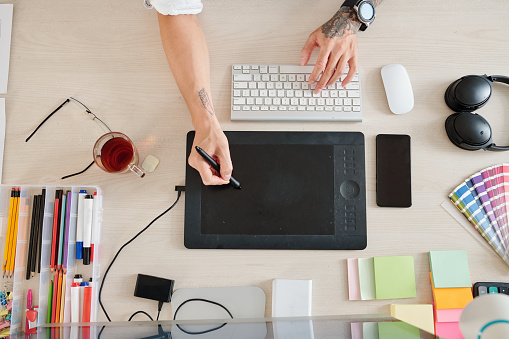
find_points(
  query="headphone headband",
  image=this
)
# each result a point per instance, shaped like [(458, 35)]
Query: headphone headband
[(499, 78)]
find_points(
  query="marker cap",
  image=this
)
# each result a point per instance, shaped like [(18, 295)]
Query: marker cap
[(79, 250), (86, 255)]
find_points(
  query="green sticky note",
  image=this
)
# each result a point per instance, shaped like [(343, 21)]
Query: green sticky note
[(449, 269), (396, 330), (394, 277), (366, 278)]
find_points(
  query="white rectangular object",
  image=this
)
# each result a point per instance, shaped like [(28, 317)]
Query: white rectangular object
[(2, 135), (291, 298), (5, 44)]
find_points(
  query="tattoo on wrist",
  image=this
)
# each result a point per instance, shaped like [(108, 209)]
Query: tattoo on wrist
[(205, 101), (343, 22)]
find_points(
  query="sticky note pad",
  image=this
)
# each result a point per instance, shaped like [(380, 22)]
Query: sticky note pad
[(420, 316), (370, 330), (397, 330), (356, 330), (394, 277), (366, 278), (448, 330), (354, 292), (448, 315), (449, 269), (451, 298)]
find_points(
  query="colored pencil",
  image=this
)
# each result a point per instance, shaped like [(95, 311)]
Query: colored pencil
[(31, 240), (7, 249), (62, 297), (50, 302), (61, 232), (54, 231), (59, 297), (55, 293), (14, 240), (67, 227), (41, 223)]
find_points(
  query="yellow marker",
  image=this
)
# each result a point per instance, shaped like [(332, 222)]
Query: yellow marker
[(7, 249)]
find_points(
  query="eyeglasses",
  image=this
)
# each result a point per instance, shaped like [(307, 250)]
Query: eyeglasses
[(94, 117)]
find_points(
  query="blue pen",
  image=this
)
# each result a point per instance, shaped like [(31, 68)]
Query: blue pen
[(80, 224)]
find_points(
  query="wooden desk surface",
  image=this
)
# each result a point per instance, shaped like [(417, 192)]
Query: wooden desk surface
[(109, 55)]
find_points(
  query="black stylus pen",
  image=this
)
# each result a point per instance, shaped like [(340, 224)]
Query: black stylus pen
[(215, 166)]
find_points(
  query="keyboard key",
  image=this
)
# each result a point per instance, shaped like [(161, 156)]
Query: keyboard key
[(283, 77), (259, 101), (263, 93), (493, 289), (245, 71), (296, 85), (263, 69), (338, 109), (264, 108), (356, 102), (267, 101), (273, 69), (245, 67), (303, 102), (265, 77), (255, 108), (280, 93), (291, 77), (301, 77), (312, 101), (245, 108), (236, 93), (245, 92), (252, 85), (239, 101), (257, 78), (242, 77), (328, 108), (272, 93), (342, 94), (483, 290), (333, 94), (305, 85), (347, 109), (236, 108), (291, 69), (356, 109), (237, 67), (329, 102), (274, 77), (352, 85), (347, 102), (254, 93), (325, 94), (279, 85), (319, 108), (285, 101), (298, 94), (273, 108), (289, 93), (287, 85), (321, 102), (254, 67), (301, 108), (294, 101), (292, 108), (354, 94), (276, 101), (338, 102), (308, 94), (283, 108), (261, 85), (310, 108), (250, 101), (240, 85)]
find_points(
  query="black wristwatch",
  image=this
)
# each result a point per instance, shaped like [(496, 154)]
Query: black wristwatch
[(365, 11)]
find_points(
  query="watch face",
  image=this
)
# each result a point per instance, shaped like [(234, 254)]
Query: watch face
[(366, 11)]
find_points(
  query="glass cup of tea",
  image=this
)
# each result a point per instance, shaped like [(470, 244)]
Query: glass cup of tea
[(114, 152)]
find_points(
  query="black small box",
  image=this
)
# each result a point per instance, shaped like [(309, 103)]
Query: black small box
[(154, 288)]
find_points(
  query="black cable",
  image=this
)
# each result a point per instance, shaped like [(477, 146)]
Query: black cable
[(179, 193), (78, 173), (159, 307), (207, 301), (138, 312)]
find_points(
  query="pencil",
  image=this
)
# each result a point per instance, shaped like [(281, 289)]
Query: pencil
[(41, 223), (14, 239), (57, 245), (55, 229), (32, 238), (55, 292), (7, 249), (62, 301), (61, 232), (67, 226), (50, 302), (59, 297)]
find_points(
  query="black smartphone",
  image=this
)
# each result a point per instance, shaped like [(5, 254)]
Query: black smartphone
[(393, 171)]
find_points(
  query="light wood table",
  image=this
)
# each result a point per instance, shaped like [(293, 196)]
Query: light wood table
[(108, 54)]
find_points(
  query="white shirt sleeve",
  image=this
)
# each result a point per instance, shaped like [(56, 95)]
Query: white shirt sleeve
[(175, 7)]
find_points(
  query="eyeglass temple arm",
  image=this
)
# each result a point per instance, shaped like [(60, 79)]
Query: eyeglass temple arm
[(49, 116)]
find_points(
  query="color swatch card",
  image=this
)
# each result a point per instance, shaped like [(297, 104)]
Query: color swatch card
[(394, 277), (483, 199), (449, 269), (5, 44)]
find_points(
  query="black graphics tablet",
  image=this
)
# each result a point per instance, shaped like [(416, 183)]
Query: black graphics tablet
[(300, 190)]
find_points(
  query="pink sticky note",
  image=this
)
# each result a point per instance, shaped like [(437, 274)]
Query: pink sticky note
[(354, 292), (448, 315), (356, 329), (448, 330)]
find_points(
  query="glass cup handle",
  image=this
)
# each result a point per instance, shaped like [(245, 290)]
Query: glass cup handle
[(137, 170)]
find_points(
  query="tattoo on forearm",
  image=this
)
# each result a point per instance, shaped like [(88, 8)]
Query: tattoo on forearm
[(343, 22), (205, 101)]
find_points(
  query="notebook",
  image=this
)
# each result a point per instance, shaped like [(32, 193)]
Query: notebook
[(5, 44)]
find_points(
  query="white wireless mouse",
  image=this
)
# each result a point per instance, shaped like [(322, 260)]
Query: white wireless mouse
[(398, 88)]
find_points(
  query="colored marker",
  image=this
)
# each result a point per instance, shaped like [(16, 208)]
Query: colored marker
[(87, 299), (54, 231), (75, 302), (50, 302), (87, 229), (95, 225), (80, 224)]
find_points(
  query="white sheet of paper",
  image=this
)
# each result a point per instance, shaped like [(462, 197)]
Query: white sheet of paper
[(2, 135), (5, 44)]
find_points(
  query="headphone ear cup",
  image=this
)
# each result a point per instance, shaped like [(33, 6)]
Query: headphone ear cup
[(468, 131), (468, 93)]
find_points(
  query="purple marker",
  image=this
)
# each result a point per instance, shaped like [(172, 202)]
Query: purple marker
[(67, 224), (80, 225)]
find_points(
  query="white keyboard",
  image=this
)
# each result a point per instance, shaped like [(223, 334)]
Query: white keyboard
[(282, 92)]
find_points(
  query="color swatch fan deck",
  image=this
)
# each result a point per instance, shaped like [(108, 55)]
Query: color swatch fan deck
[(483, 199)]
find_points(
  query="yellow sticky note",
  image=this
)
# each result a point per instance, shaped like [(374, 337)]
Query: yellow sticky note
[(446, 298), (418, 315)]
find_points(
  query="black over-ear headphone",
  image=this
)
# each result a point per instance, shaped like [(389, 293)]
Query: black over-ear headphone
[(466, 129)]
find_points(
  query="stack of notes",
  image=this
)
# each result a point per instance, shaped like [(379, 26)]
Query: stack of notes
[(452, 290), (381, 278), (384, 330)]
